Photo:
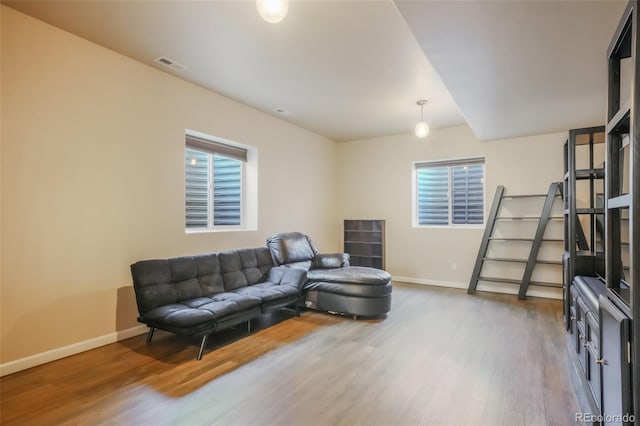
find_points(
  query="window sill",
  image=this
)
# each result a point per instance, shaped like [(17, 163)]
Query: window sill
[(449, 226), (215, 230)]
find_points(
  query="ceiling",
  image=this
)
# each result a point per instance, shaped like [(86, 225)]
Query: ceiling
[(519, 68), (355, 69)]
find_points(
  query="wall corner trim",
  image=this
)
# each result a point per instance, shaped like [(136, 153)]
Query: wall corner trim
[(65, 351)]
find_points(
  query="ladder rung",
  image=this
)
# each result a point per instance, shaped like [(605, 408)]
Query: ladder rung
[(500, 280), (518, 218), (527, 218), (510, 239), (549, 262), (505, 259), (545, 284), (509, 197)]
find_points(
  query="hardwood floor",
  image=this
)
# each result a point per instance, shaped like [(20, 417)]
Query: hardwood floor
[(441, 357)]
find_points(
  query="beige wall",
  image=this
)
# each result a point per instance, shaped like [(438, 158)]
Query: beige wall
[(92, 180), (377, 184)]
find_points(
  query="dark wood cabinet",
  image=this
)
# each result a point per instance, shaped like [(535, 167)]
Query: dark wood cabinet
[(607, 343), (364, 240)]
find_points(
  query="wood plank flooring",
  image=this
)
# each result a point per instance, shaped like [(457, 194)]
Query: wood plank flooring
[(441, 357)]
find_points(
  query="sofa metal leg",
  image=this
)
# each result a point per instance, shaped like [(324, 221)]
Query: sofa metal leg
[(249, 327), (355, 318), (202, 345), (150, 334), (297, 308)]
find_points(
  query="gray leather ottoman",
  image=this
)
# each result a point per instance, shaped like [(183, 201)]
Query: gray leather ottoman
[(333, 285), (352, 290)]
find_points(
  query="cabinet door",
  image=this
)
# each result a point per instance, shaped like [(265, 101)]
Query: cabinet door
[(581, 333), (592, 353), (573, 311), (616, 370)]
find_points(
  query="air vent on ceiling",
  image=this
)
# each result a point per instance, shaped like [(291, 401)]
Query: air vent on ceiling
[(282, 111), (170, 63)]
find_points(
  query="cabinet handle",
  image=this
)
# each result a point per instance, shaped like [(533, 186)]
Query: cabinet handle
[(581, 337), (585, 344), (573, 317), (601, 361)]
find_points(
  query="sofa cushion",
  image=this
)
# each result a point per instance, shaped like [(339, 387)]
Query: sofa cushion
[(209, 274), (179, 315), (282, 275), (184, 275), (152, 284), (291, 247), (244, 267), (268, 291), (328, 261), (351, 275), (193, 312)]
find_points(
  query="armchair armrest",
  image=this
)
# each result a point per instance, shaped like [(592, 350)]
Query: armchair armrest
[(282, 275), (331, 260)]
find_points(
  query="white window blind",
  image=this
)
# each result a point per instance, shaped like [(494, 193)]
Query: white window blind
[(433, 196), (213, 184), (227, 197), (450, 192)]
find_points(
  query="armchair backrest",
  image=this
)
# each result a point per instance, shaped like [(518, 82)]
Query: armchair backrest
[(293, 249)]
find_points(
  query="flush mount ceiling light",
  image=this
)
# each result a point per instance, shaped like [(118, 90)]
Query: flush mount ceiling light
[(273, 11), (422, 128)]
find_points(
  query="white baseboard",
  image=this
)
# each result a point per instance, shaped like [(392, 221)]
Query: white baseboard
[(424, 281), (65, 351), (547, 293)]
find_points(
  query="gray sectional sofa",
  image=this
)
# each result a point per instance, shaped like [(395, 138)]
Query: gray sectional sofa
[(198, 295)]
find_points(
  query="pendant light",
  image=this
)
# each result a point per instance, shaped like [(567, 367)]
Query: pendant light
[(422, 128), (272, 11)]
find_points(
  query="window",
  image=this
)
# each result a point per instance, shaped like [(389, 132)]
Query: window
[(213, 184), (449, 192)]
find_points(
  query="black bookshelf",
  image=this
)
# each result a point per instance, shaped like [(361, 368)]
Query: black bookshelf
[(364, 240)]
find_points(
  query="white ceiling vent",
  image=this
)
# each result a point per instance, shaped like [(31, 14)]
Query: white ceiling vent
[(170, 63)]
